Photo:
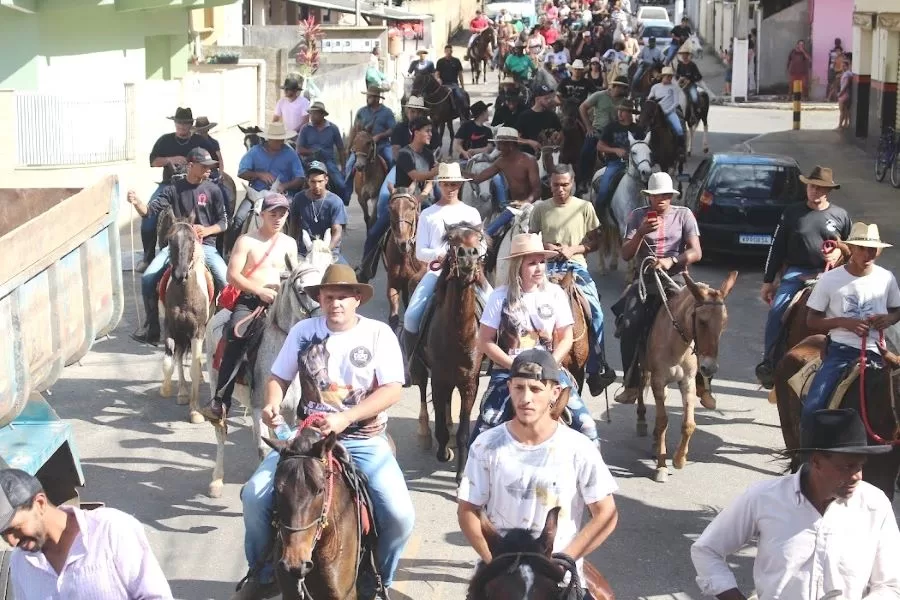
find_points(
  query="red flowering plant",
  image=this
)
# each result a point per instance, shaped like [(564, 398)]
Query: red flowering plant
[(308, 56)]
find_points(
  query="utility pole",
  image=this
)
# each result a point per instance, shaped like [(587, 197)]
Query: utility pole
[(357, 6), (740, 54)]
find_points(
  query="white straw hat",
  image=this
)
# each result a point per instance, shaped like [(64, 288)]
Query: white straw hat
[(449, 172), (276, 131), (866, 236), (660, 183)]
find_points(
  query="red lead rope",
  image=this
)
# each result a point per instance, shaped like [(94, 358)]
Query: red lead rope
[(862, 392), (331, 466)]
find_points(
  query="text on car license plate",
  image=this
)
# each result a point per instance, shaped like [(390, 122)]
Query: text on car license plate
[(755, 240)]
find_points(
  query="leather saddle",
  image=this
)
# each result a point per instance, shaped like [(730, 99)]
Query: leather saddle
[(252, 326), (167, 274)]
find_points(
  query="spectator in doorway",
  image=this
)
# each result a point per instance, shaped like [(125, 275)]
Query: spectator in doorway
[(798, 65), (834, 73)]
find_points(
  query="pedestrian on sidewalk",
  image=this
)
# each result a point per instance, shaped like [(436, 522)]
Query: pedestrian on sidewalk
[(845, 87), (798, 65)]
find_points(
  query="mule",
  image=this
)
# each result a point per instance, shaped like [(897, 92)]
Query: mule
[(480, 53), (678, 348), (664, 143), (292, 304), (368, 174), (496, 266), (439, 100), (872, 398), (403, 269)]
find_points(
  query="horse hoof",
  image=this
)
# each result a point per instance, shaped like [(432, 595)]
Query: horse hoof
[(165, 391), (445, 456), (642, 429), (662, 475), (679, 461), (182, 399), (708, 401), (196, 418), (215, 489)]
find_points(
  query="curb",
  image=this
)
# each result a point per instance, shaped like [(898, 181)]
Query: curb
[(775, 106)]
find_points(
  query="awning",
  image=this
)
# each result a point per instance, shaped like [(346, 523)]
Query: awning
[(366, 8)]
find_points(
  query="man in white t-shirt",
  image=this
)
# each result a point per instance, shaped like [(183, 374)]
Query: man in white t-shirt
[(518, 471), (293, 108), (855, 303), (668, 96), (363, 377)]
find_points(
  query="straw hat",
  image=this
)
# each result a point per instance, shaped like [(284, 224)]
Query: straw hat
[(276, 131), (203, 124), (866, 236), (506, 134), (449, 172), (667, 70), (343, 277), (524, 244), (660, 183), (822, 177), (373, 91), (415, 102), (319, 106), (577, 64)]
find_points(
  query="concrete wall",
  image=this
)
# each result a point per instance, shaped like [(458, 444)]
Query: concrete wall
[(447, 16), (778, 34), (278, 65), (831, 19)]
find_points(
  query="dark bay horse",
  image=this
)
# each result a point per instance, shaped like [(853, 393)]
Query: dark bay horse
[(368, 173), (403, 269), (439, 100), (648, 78), (874, 403), (481, 53), (663, 143), (576, 360), (573, 134)]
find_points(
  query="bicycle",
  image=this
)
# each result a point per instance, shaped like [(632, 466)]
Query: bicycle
[(886, 156), (895, 168)]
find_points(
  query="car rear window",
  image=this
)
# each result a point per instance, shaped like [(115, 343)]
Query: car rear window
[(758, 182), (657, 31)]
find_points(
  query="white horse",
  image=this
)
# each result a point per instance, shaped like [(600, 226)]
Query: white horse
[(479, 196), (254, 220), (291, 305), (626, 198), (520, 224)]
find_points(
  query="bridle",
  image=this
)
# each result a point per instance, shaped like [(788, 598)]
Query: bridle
[(559, 564), (413, 224), (453, 270), (369, 155), (435, 89), (637, 165)]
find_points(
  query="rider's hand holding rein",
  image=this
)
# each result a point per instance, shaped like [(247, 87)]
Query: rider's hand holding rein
[(139, 206)]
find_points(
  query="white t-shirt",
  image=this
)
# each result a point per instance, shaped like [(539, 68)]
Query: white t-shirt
[(840, 294), (292, 112), (541, 312), (433, 225), (340, 368), (667, 95), (517, 485)]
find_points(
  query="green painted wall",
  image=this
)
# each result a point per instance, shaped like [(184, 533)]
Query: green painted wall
[(18, 60)]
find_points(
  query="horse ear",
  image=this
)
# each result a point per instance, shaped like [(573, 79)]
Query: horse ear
[(307, 241), (728, 284), (548, 535), (277, 445), (491, 536), (692, 286), (647, 137), (327, 237)]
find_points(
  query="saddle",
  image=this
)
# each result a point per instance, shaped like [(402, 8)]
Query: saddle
[(602, 203), (167, 274), (250, 327), (801, 381)]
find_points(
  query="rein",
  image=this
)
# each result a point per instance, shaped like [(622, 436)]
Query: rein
[(425, 93), (863, 409)]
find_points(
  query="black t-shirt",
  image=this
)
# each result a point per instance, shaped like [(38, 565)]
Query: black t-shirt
[(576, 89), (506, 117), (800, 234), (401, 135), (689, 70), (616, 135), (449, 70), (474, 136), (169, 145), (681, 32), (204, 200), (410, 160), (588, 51), (531, 123)]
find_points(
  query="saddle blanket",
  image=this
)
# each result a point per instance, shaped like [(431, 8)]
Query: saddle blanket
[(801, 381)]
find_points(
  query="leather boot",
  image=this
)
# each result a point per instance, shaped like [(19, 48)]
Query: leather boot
[(408, 343), (149, 333), (368, 267)]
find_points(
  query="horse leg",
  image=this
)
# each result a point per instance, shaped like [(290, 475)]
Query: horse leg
[(706, 133), (641, 414), (692, 129), (165, 389), (393, 296), (707, 400), (688, 425), (217, 483), (441, 397), (196, 380), (424, 428), (183, 393), (658, 385), (467, 395)]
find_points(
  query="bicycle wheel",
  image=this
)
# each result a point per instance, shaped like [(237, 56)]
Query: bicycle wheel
[(882, 161), (895, 173)]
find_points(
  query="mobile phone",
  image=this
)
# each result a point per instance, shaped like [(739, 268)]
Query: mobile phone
[(651, 214)]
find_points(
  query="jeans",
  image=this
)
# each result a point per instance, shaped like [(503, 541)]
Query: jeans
[(497, 409), (837, 358), (613, 168), (343, 188), (392, 507), (234, 347), (501, 191), (460, 97), (675, 123), (412, 318), (384, 151), (382, 215), (588, 157), (693, 94), (154, 272), (671, 51), (502, 220), (638, 73), (792, 281), (148, 228), (585, 283)]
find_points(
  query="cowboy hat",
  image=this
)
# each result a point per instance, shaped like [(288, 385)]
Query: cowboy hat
[(578, 64), (479, 108), (822, 177), (660, 183), (866, 236), (449, 172), (421, 52), (319, 106), (840, 431), (416, 102), (628, 104), (182, 115), (203, 124), (506, 134), (276, 131), (667, 70), (341, 277), (524, 244), (620, 80), (292, 84), (373, 91)]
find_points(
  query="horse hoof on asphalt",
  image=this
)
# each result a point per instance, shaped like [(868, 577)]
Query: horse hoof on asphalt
[(196, 418), (445, 456), (165, 390), (662, 475), (679, 461), (183, 398), (708, 401), (215, 489), (642, 429)]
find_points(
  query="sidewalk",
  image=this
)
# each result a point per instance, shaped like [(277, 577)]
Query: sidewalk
[(864, 198)]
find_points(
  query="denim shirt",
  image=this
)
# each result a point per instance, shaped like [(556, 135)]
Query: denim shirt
[(285, 165), (322, 140), (381, 119)]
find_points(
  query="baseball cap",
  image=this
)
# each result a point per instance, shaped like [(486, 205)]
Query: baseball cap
[(535, 364), (318, 166), (542, 90), (17, 488), (274, 200), (202, 156)]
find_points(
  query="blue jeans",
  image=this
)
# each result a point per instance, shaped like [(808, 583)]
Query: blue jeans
[(459, 94), (148, 227), (342, 188), (496, 407), (671, 51), (613, 168), (502, 220), (837, 358), (792, 281), (154, 272), (384, 150), (412, 318), (585, 283), (588, 157), (693, 94), (675, 124), (392, 507)]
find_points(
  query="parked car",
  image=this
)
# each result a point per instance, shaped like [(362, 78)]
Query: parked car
[(661, 30), (658, 13), (738, 200)]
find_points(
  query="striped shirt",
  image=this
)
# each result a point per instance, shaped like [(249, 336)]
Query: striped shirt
[(110, 559)]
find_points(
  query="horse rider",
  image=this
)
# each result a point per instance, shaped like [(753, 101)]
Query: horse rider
[(568, 225), (322, 142), (415, 165), (578, 87), (526, 312), (432, 248), (821, 532), (317, 211), (379, 121), (449, 71), (191, 197), (667, 95), (630, 44), (169, 152), (515, 176), (365, 367), (201, 127), (518, 65), (649, 57), (375, 76), (680, 34), (615, 143), (254, 268), (560, 55), (689, 76), (534, 121), (421, 64), (596, 113), (506, 33), (293, 108), (510, 466), (665, 239), (797, 253), (474, 136), (855, 302), (401, 136), (508, 109), (477, 25)]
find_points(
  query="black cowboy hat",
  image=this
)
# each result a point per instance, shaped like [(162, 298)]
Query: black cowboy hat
[(840, 431), (479, 107), (182, 114)]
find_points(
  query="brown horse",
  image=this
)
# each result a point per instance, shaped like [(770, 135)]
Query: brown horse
[(439, 100), (578, 355), (573, 134), (678, 347), (648, 78), (663, 143), (481, 53), (403, 269), (368, 173), (877, 398), (448, 343)]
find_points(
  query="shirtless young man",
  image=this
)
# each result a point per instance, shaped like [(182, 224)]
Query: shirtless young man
[(255, 267)]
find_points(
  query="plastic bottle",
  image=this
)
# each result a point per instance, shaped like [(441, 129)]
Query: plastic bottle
[(283, 431)]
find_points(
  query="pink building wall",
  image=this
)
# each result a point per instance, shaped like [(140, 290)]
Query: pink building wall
[(829, 19)]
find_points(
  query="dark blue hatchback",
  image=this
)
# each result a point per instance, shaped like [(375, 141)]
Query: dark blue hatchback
[(738, 200)]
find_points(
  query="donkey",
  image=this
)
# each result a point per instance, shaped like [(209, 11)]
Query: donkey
[(403, 269), (368, 173)]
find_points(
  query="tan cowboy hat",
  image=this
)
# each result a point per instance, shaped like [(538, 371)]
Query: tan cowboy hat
[(373, 91), (449, 172), (276, 131), (341, 277), (685, 49), (506, 134), (660, 183), (524, 244), (415, 102), (319, 106), (866, 236), (203, 124), (667, 70), (822, 177)]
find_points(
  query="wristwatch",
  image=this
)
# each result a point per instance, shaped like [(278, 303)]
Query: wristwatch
[(674, 260)]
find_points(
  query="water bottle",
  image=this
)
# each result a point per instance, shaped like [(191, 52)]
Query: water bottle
[(282, 430)]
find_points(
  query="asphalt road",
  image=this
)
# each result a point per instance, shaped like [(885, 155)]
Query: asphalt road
[(142, 456)]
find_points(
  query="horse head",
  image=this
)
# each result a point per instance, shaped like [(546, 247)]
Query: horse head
[(464, 256), (424, 84), (404, 210), (641, 156), (184, 248), (709, 319), (293, 303), (363, 148), (251, 136)]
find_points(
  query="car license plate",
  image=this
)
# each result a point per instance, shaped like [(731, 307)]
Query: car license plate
[(755, 240)]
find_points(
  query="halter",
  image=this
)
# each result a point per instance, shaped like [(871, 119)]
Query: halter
[(412, 223), (557, 561), (637, 165)]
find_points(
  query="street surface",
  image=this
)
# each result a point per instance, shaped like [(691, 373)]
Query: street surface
[(142, 456)]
